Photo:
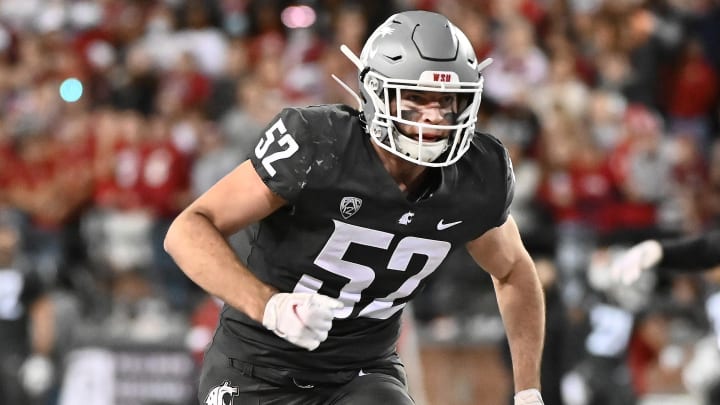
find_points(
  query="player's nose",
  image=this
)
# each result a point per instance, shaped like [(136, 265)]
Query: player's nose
[(432, 114)]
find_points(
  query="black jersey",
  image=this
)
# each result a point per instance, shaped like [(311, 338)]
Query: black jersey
[(18, 290), (349, 232)]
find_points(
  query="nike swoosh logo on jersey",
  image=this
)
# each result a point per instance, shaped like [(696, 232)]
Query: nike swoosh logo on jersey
[(442, 225), (362, 373)]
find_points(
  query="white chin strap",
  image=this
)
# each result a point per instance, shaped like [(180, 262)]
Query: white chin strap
[(428, 152)]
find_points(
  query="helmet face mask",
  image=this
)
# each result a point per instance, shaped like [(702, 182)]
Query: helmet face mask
[(419, 51)]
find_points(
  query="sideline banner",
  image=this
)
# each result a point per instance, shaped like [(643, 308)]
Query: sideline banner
[(131, 375)]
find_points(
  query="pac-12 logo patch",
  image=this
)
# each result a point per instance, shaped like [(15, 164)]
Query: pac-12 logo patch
[(222, 395), (349, 206)]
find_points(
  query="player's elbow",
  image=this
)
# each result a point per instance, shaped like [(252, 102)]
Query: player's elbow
[(516, 270), (173, 236), (169, 240), (185, 230)]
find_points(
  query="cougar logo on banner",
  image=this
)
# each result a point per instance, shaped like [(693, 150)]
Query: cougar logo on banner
[(349, 206), (222, 395)]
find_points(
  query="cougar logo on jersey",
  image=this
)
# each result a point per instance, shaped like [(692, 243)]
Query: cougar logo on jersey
[(406, 218), (349, 206), (222, 395)]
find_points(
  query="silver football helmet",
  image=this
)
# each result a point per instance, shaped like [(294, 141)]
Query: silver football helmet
[(418, 51)]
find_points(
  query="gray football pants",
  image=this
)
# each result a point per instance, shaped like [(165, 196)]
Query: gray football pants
[(224, 381)]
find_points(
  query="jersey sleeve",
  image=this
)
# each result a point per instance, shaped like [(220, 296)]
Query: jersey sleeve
[(691, 254), (284, 152), (32, 288), (508, 180)]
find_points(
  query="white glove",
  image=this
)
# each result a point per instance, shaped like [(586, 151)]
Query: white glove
[(628, 267), (574, 389), (529, 397), (303, 319), (702, 372), (37, 374)]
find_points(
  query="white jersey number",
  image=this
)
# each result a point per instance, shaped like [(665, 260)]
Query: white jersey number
[(11, 286), (712, 308), (286, 141), (360, 276), (611, 329)]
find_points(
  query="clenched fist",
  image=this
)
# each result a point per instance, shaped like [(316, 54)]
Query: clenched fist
[(303, 319)]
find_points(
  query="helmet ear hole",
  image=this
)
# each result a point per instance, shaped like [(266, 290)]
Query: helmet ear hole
[(362, 73), (361, 78)]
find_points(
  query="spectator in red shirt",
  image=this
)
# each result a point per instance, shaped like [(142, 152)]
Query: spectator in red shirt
[(692, 93), (641, 170), (163, 185)]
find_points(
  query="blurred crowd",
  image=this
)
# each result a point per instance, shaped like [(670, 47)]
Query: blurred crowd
[(610, 110)]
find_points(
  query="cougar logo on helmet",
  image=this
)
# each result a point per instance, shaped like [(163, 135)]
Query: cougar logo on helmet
[(222, 395), (381, 31)]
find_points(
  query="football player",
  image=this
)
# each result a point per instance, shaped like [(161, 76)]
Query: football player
[(352, 210), (26, 327), (691, 254)]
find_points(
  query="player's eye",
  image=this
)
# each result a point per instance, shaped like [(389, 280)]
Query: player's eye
[(447, 101), (414, 98)]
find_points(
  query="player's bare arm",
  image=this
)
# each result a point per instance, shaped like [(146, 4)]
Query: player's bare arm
[(196, 239), (520, 298)]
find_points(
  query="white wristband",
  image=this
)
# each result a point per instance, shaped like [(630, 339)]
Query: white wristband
[(530, 396)]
